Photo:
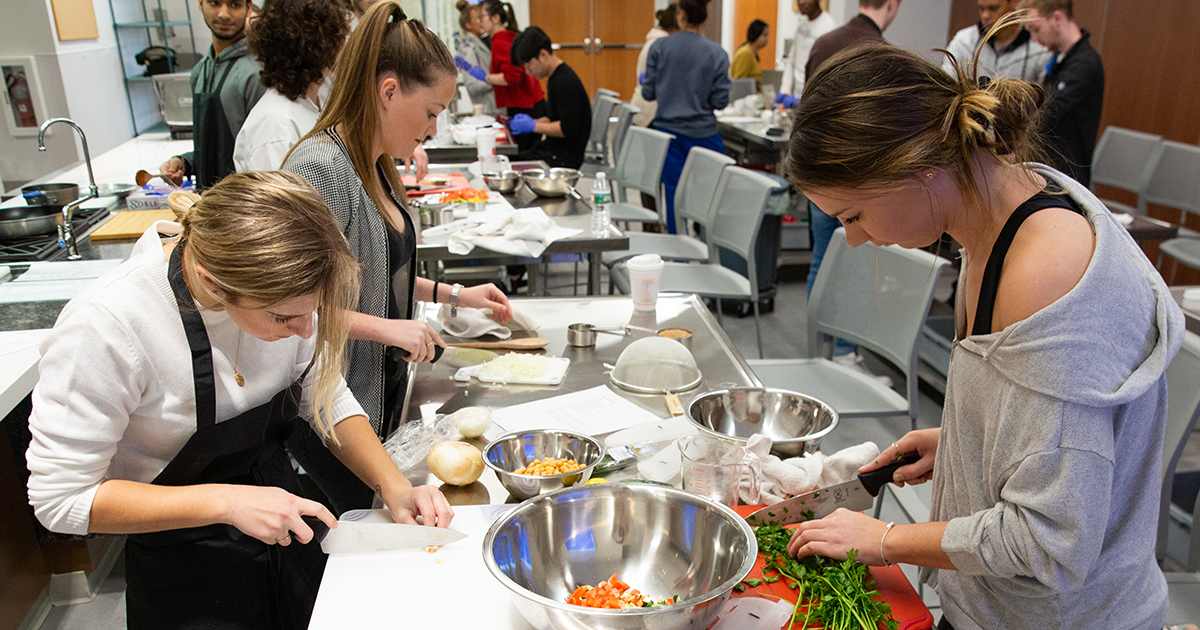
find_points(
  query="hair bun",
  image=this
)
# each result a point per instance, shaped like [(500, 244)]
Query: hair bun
[(462, 4)]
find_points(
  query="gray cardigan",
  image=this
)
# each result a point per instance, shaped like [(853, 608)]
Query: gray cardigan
[(470, 47), (325, 163), (1048, 466)]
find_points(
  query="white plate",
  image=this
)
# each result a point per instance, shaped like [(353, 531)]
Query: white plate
[(553, 376)]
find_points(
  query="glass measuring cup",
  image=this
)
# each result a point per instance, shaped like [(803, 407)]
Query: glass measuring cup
[(717, 468)]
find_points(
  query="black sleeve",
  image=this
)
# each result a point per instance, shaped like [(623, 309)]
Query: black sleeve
[(570, 105), (1077, 86)]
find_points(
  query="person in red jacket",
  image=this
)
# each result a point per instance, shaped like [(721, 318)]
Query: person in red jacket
[(516, 90)]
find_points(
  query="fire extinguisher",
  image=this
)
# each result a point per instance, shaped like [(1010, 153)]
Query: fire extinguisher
[(22, 102)]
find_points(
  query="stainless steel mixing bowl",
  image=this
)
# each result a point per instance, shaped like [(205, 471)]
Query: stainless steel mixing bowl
[(794, 422), (662, 541), (503, 183), (518, 449), (558, 182)]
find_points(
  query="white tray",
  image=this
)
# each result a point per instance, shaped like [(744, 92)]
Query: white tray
[(553, 376)]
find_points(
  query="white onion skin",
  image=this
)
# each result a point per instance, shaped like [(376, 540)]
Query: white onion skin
[(455, 463), (472, 421)]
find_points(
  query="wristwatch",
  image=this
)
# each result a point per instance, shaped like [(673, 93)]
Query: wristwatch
[(454, 300)]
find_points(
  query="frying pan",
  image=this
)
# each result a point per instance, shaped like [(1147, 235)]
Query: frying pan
[(19, 222)]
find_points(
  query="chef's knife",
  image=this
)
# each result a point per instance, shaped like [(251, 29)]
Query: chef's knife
[(358, 537), (857, 494)]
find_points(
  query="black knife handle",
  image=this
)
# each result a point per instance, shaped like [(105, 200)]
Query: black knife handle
[(320, 529), (399, 354), (876, 479)]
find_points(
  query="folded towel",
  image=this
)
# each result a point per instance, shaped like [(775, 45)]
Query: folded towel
[(797, 475), (525, 232), (474, 322)]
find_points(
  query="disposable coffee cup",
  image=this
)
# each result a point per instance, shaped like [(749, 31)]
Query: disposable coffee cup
[(478, 107), (645, 276), (485, 141)]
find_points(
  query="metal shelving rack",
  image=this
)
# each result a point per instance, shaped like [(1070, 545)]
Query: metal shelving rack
[(149, 26)]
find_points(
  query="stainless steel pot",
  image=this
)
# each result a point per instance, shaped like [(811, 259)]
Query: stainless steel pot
[(57, 195), (20, 222)]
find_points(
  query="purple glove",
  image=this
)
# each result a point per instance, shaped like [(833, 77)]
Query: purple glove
[(786, 100), (522, 123), (466, 66), (641, 78)]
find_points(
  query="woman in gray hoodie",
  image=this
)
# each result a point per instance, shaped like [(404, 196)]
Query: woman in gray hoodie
[(1046, 469)]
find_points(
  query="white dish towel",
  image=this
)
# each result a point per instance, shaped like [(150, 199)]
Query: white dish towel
[(797, 475), (526, 232), (473, 322)]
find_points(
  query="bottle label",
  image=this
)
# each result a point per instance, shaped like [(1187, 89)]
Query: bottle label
[(602, 198)]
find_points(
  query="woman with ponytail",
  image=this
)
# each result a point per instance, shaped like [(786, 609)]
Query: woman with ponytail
[(1046, 465), (391, 81), (167, 389)]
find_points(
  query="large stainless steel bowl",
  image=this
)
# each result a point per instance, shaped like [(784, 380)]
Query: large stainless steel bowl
[(558, 182), (794, 422), (518, 449), (503, 183), (662, 541)]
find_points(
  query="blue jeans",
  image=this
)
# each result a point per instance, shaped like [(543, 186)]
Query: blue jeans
[(823, 227), (677, 154)]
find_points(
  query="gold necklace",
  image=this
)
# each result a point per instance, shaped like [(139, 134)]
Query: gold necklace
[(237, 376)]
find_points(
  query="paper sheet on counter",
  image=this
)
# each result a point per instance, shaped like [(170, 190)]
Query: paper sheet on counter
[(591, 412)]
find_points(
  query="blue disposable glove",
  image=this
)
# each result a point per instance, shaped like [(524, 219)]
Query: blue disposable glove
[(787, 100), (473, 70), (522, 123), (641, 78)]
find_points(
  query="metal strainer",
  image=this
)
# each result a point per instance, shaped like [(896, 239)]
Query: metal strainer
[(655, 365)]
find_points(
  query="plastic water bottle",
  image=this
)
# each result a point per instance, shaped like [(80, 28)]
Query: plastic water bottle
[(601, 200)]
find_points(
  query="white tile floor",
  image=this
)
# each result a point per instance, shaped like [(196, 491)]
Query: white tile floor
[(784, 335)]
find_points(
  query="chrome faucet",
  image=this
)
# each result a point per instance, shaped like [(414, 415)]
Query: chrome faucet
[(66, 234)]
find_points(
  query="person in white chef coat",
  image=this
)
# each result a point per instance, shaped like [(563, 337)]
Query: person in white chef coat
[(297, 42), (167, 390)]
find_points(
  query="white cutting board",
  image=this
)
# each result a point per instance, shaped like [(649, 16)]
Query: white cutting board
[(412, 589), (553, 376)]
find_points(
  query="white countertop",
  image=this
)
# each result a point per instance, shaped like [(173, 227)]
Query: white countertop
[(119, 164), (19, 357)]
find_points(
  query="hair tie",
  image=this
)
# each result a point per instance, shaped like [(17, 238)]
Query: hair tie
[(983, 82), (393, 17)]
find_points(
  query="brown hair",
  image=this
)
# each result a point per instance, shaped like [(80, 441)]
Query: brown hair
[(465, 9), (1046, 8), (504, 10), (878, 115), (296, 41), (268, 237), (385, 42), (871, 4), (666, 18)]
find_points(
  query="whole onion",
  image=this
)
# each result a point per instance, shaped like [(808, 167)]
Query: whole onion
[(455, 463)]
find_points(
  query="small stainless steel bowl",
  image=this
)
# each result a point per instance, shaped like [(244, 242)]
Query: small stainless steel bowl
[(518, 449), (558, 182), (581, 335), (662, 541), (795, 423), (120, 190), (503, 183)]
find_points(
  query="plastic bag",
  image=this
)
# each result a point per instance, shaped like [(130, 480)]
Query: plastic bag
[(410, 444)]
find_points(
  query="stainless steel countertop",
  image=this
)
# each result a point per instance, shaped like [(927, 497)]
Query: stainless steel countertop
[(719, 362)]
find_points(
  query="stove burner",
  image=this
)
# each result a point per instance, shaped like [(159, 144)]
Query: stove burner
[(45, 246)]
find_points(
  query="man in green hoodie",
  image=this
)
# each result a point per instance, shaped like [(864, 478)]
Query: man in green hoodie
[(225, 87)]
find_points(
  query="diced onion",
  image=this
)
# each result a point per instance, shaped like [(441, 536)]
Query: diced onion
[(516, 366)]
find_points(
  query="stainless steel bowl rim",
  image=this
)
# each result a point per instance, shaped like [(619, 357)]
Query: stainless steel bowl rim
[(835, 418), (507, 436), (747, 564)]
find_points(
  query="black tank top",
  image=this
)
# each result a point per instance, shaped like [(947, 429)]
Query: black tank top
[(991, 273)]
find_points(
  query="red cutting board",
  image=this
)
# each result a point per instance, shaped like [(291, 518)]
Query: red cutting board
[(456, 181), (892, 584)]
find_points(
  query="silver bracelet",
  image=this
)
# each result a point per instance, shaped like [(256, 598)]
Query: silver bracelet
[(885, 533)]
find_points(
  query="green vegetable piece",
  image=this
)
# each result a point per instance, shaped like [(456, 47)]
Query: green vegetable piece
[(752, 582), (741, 588)]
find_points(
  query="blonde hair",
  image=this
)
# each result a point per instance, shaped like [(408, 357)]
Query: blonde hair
[(876, 115), (385, 42), (268, 237)]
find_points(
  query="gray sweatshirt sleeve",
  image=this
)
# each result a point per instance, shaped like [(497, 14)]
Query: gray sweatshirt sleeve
[(1049, 521)]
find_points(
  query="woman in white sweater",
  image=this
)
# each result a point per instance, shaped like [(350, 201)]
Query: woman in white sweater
[(168, 387)]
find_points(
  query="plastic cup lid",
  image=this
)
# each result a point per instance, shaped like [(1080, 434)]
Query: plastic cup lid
[(645, 262)]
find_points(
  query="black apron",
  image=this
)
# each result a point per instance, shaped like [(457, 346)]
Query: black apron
[(212, 139), (215, 576)]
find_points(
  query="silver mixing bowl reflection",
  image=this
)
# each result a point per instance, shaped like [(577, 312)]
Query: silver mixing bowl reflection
[(662, 541), (558, 182), (795, 423), (518, 449), (503, 183)]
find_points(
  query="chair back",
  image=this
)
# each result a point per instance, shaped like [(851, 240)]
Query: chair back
[(625, 114), (741, 88), (173, 92), (598, 139), (877, 297), (1174, 180), (698, 187), (613, 94), (1183, 409), (640, 164), (772, 78), (739, 205), (1123, 159)]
